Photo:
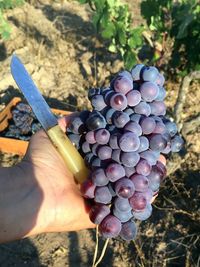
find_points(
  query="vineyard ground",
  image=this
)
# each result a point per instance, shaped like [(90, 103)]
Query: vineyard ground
[(58, 46)]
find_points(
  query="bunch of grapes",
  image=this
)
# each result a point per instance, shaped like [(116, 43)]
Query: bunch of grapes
[(122, 140)]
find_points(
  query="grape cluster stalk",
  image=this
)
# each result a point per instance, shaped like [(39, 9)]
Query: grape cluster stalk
[(122, 140)]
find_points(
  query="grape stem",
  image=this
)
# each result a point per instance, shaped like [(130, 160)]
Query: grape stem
[(184, 87), (96, 246), (102, 253)]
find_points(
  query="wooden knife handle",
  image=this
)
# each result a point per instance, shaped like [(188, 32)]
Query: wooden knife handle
[(71, 156)]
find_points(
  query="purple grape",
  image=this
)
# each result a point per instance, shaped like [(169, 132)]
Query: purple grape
[(148, 194), (114, 140), (129, 111), (102, 195), (133, 127), (95, 148), (76, 126), (120, 119), (90, 137), (98, 102), (110, 187), (87, 189), (138, 201), (129, 142), (124, 216), (171, 128), (93, 91), (148, 125), (161, 94), (123, 85), (136, 118), (155, 177), (98, 212), (128, 231), (108, 96), (124, 188), (158, 108), (129, 171), (122, 204), (116, 153), (130, 159), (102, 136), (95, 121), (133, 98), (104, 152), (160, 128), (157, 142), (75, 139), (149, 91), (118, 101), (136, 70), (144, 214), (167, 149), (96, 162), (89, 157), (176, 143), (150, 156), (99, 178), (143, 167), (110, 227), (143, 108), (160, 80), (126, 74), (140, 182), (109, 115), (144, 144), (86, 147), (114, 172), (150, 74)]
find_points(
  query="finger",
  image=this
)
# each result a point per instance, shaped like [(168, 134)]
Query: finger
[(162, 159), (64, 121)]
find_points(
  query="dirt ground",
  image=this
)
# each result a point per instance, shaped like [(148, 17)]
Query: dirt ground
[(57, 43)]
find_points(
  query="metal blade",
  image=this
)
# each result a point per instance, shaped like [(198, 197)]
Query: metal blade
[(32, 94)]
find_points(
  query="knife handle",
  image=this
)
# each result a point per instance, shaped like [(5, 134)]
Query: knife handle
[(71, 156)]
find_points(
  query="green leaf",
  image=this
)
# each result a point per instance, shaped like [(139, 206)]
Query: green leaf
[(129, 59), (83, 1), (99, 4), (112, 48), (109, 31), (111, 3), (121, 32)]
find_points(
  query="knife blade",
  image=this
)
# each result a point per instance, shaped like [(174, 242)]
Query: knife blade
[(71, 156)]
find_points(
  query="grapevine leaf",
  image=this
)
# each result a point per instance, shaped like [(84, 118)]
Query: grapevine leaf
[(109, 31)]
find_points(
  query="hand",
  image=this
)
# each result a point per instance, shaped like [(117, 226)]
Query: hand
[(41, 194)]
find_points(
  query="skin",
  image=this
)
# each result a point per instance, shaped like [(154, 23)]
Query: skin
[(40, 195)]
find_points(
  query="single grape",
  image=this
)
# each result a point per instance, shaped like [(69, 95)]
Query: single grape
[(143, 167), (99, 177), (75, 139), (128, 231), (118, 101), (158, 108), (76, 126), (133, 127), (95, 148), (161, 94), (143, 108), (102, 195), (87, 189), (148, 194), (129, 171), (157, 142), (95, 121), (150, 156), (98, 212), (148, 125), (140, 182), (129, 142), (171, 128), (86, 147), (138, 201), (144, 144), (143, 214), (104, 152), (136, 117), (89, 157), (124, 216), (136, 70), (160, 80), (90, 137), (110, 227), (93, 91), (130, 159), (176, 143), (133, 98), (124, 188), (98, 102), (149, 91), (112, 191), (122, 204), (114, 140), (161, 168), (150, 74), (126, 74), (109, 115), (160, 128), (114, 172), (96, 162), (120, 119), (102, 136), (123, 85), (129, 111), (108, 95), (116, 153)]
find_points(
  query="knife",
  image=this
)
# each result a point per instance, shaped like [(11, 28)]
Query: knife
[(71, 156)]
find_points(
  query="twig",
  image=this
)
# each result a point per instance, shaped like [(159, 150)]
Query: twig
[(102, 253), (190, 126), (140, 253), (182, 96)]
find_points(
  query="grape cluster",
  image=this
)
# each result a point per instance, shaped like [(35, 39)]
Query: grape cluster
[(121, 140)]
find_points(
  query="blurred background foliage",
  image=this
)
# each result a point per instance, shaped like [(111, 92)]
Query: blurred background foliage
[(169, 37)]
